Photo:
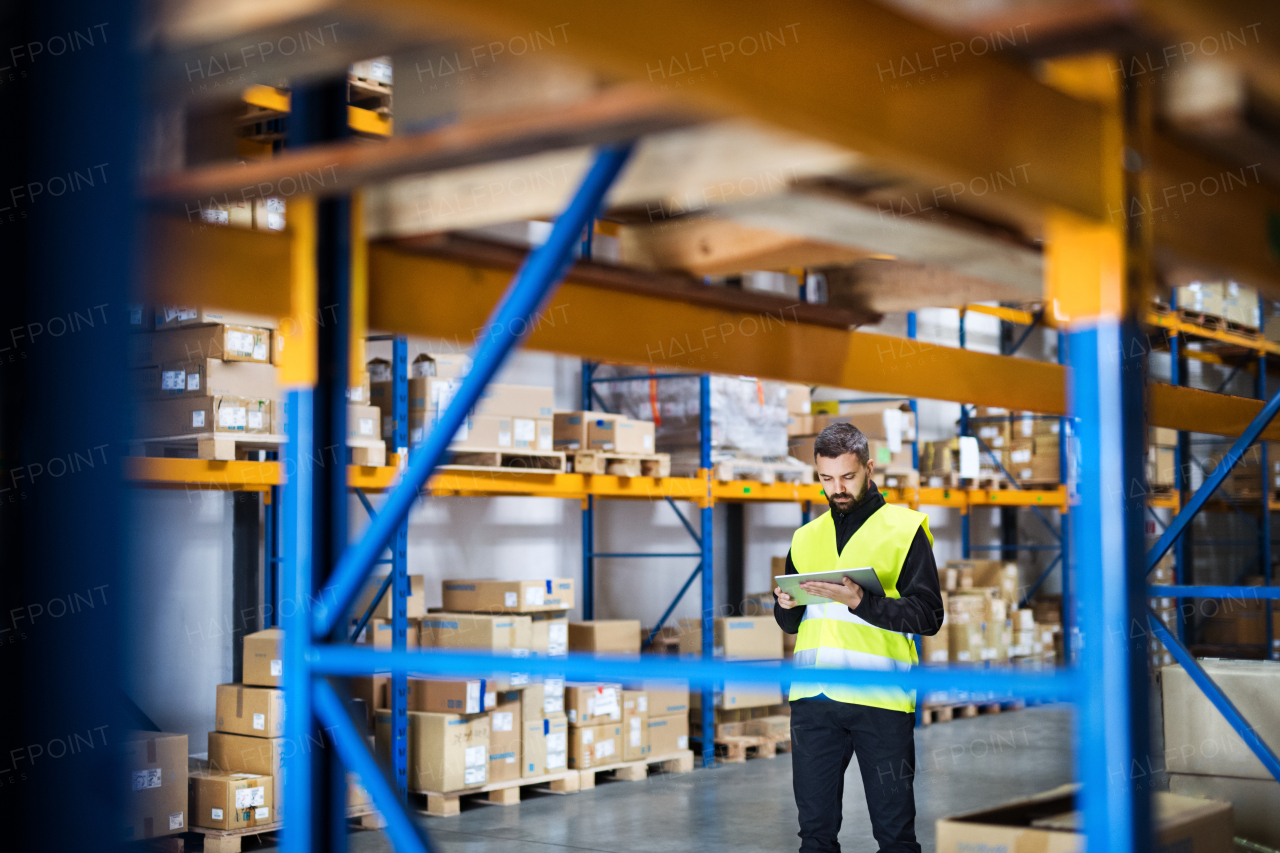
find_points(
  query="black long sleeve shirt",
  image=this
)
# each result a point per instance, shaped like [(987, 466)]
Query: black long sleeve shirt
[(918, 610)]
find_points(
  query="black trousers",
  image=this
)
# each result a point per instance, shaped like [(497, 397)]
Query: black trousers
[(824, 736)]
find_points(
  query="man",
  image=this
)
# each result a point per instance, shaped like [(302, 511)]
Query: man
[(858, 630)]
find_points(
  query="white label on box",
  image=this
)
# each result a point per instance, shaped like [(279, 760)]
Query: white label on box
[(216, 217), (473, 775), (588, 735), (545, 437), (604, 748), (525, 431), (938, 656), (988, 654), (642, 704), (260, 350), (173, 380), (193, 381), (510, 599), (475, 756), (143, 779), (635, 731), (606, 702), (260, 721), (249, 797), (504, 434), (558, 638), (553, 685), (555, 759), (197, 418), (241, 343), (473, 698), (968, 456), (519, 679), (1025, 474), (356, 394), (216, 814), (1016, 456), (275, 222), (255, 420), (232, 417), (175, 821), (682, 742), (1028, 426), (503, 721), (277, 668), (893, 429), (962, 655), (557, 742), (366, 426), (648, 442), (534, 596), (262, 813)]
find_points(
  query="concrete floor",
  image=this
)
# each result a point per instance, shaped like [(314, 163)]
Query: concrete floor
[(960, 766)]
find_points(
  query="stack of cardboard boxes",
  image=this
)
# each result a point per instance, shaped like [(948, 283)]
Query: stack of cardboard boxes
[(505, 418), (205, 371), (156, 801), (890, 431), (750, 640), (609, 433), (243, 786), (1161, 444), (1032, 453), (1226, 300)]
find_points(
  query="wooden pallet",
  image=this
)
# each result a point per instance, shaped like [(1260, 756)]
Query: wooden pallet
[(499, 793), (946, 713), (229, 840), (507, 460), (619, 464), (1221, 324), (762, 471), (206, 445), (680, 761), (738, 749)]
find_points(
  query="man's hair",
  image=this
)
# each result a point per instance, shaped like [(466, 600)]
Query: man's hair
[(839, 439)]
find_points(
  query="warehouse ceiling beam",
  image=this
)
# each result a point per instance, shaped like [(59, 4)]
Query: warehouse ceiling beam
[(507, 326), (621, 112), (1220, 473)]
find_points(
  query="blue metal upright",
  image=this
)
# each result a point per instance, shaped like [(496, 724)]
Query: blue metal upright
[(1181, 462), (588, 515), (965, 511), (708, 568), (1264, 531), (915, 406), (399, 688), (1064, 525)]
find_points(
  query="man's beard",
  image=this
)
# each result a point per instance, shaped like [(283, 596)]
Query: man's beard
[(851, 501)]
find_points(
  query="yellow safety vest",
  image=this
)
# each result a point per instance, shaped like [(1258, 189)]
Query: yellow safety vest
[(832, 637)]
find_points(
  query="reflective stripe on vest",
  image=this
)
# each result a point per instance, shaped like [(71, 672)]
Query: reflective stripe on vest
[(832, 637)]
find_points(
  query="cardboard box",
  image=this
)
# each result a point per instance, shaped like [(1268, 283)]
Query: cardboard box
[(488, 432), (505, 732), (155, 791), (733, 695), (1044, 823), (447, 695), (358, 391), (620, 435), (635, 724), (364, 421), (760, 603), (668, 734), (198, 415), (447, 752), (557, 730), (594, 746), (415, 604), (1198, 738), (569, 429), (264, 658), (587, 704), (553, 695), (520, 401), (797, 399), (225, 342), (175, 316), (1162, 436), (965, 638), (533, 746), (734, 638), (771, 726), (207, 377), (253, 711), (550, 637), (472, 630), (665, 697), (442, 365), (260, 755), (611, 636), (372, 691), (1255, 802), (231, 800), (937, 648), (496, 596), (532, 700), (379, 632)]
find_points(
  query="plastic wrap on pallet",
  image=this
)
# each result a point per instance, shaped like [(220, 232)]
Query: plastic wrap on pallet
[(747, 415)]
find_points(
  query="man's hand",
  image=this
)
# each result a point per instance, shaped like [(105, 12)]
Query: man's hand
[(848, 593), (785, 601)]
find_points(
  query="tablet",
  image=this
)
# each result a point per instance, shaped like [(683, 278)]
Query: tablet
[(864, 577)]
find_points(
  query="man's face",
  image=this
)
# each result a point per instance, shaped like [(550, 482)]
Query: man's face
[(844, 479)]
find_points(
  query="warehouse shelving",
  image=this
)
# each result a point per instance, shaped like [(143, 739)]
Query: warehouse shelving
[(1087, 182)]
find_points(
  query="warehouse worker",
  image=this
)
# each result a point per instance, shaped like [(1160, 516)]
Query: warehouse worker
[(859, 630)]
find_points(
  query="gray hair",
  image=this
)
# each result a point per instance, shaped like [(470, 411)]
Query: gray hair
[(839, 439)]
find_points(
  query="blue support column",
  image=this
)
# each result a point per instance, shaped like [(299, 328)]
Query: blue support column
[(1064, 527), (588, 515), (1181, 469), (271, 559), (1264, 532), (915, 409), (965, 511), (708, 569), (400, 590), (1106, 399)]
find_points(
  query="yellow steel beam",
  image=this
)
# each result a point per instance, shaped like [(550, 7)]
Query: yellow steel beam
[(1193, 410), (367, 121), (202, 473), (271, 98), (1012, 315), (1177, 324), (949, 110)]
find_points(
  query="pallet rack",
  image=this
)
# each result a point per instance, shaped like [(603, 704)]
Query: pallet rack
[(1086, 258)]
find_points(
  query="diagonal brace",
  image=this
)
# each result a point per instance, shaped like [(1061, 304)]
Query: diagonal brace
[(683, 520), (1215, 695), (509, 323), (667, 615), (1207, 488)]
